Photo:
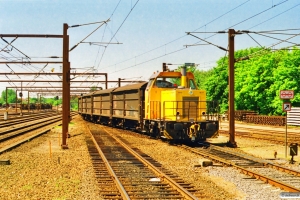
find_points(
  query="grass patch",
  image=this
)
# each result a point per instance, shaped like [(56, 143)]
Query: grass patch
[(27, 187)]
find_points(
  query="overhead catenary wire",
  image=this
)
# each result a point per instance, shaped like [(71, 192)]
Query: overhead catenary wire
[(103, 35), (7, 44), (255, 15), (118, 31), (266, 51), (15, 47), (273, 6), (208, 42), (18, 58), (86, 24), (250, 18), (180, 36), (275, 16), (104, 22), (165, 54), (272, 37), (12, 70), (254, 40), (281, 41), (281, 30)]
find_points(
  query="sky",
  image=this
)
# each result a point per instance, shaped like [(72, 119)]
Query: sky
[(137, 36)]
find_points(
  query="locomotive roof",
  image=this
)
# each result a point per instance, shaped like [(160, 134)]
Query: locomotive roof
[(169, 74), (131, 87)]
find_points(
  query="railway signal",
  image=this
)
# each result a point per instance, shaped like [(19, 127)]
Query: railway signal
[(286, 94), (286, 106)]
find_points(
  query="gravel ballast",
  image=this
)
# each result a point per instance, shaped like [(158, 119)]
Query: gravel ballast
[(35, 173)]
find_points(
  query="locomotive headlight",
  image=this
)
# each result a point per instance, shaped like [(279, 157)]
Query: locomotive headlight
[(203, 115), (178, 116)]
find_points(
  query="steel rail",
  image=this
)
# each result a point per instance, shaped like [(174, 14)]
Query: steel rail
[(122, 190), (277, 140), (265, 162), (266, 179), (30, 118), (160, 174), (38, 131)]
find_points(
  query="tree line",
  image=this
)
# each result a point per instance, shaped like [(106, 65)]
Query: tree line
[(258, 80), (54, 101)]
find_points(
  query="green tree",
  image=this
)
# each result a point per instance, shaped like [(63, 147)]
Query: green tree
[(11, 96), (258, 80), (74, 103)]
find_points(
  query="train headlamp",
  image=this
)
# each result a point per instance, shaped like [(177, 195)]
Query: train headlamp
[(203, 115), (178, 116)]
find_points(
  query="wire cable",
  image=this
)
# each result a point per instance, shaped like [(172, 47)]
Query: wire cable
[(180, 36), (275, 16), (89, 35), (264, 49), (117, 31), (254, 40), (273, 38), (273, 6)]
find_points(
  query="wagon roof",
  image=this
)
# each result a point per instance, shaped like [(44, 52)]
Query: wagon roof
[(87, 94), (106, 91), (131, 87)]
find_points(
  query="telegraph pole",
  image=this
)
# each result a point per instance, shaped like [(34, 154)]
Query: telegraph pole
[(66, 88), (231, 35)]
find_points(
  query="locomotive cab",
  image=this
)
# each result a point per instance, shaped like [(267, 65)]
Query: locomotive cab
[(176, 109)]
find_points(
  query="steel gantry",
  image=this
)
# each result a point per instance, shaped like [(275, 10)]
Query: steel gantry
[(65, 75)]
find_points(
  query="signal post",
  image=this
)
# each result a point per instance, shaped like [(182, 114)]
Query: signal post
[(286, 95)]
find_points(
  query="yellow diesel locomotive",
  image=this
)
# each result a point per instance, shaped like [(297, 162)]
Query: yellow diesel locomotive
[(169, 106)]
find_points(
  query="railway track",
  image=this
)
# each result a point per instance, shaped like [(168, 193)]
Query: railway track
[(274, 134), (126, 173), (264, 170), (22, 132), (278, 176), (19, 121)]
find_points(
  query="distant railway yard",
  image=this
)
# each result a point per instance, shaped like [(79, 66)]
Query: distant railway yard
[(103, 162)]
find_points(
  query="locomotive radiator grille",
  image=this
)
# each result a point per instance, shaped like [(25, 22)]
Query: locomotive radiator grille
[(190, 108)]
